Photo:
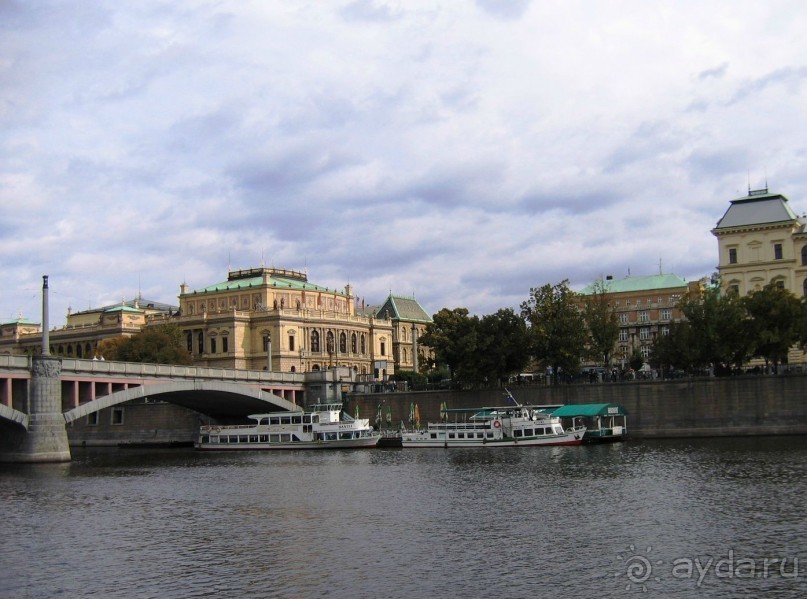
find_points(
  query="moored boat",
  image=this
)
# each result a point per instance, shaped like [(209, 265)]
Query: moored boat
[(325, 426), (508, 426), (604, 422)]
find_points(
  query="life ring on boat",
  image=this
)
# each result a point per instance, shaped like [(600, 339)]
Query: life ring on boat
[(497, 424)]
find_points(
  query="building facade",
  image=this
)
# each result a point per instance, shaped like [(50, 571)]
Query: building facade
[(409, 322), (260, 318), (83, 331), (761, 240), (275, 319), (646, 306)]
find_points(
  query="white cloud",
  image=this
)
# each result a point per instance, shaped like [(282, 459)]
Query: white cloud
[(464, 152)]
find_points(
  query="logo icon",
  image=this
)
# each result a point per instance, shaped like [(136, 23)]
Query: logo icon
[(638, 569)]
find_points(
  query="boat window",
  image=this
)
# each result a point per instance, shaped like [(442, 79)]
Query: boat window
[(307, 418), (518, 433), (274, 438), (264, 438), (205, 439), (243, 438), (451, 435), (558, 430), (296, 420), (285, 420), (489, 434), (346, 435), (460, 435), (253, 438), (274, 420), (433, 435), (315, 418), (285, 437), (528, 432)]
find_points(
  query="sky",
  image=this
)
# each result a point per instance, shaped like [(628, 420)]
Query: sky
[(461, 152)]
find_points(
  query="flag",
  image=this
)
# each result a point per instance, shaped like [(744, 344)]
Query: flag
[(357, 411), (389, 415)]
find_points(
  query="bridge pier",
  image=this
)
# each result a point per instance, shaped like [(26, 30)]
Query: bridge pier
[(46, 438)]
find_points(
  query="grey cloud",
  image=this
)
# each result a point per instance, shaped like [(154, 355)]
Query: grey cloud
[(792, 76), (504, 9), (714, 73), (368, 11)]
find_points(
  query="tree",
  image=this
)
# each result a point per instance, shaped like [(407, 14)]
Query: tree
[(721, 324), (452, 336), (503, 346), (602, 322), (158, 345), (676, 349), (775, 314), (557, 330)]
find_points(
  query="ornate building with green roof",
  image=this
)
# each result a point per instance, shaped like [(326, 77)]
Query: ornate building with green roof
[(275, 319), (409, 322)]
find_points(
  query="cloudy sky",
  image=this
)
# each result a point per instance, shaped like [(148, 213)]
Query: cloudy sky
[(459, 151)]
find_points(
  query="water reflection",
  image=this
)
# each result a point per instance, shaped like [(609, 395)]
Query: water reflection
[(514, 522)]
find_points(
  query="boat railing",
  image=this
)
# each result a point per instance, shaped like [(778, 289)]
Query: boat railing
[(210, 428)]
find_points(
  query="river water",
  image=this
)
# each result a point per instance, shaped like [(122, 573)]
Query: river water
[(683, 518)]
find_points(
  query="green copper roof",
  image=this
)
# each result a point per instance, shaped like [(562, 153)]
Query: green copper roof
[(279, 282), (19, 321), (640, 283), (120, 308), (403, 308), (590, 409)]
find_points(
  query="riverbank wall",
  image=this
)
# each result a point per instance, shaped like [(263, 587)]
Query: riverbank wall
[(702, 407)]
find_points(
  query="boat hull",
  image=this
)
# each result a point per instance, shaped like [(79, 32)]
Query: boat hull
[(420, 440), (364, 442)]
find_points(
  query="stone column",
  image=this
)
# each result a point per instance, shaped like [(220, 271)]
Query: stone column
[(46, 439)]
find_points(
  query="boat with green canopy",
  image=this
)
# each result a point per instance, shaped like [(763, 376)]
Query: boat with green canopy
[(604, 422)]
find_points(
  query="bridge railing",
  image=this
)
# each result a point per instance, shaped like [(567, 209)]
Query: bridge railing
[(110, 368)]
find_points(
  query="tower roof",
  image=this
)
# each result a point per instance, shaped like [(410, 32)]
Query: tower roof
[(403, 308), (757, 208)]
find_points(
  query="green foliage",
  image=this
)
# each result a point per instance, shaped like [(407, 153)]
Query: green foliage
[(452, 337), (776, 317), (158, 345), (676, 350), (477, 351), (719, 329), (557, 330), (602, 322)]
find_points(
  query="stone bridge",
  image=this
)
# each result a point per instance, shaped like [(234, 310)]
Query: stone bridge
[(39, 395)]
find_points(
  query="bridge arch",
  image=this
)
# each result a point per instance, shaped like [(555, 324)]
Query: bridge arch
[(214, 398)]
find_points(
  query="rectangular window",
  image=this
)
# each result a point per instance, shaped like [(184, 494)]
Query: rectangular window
[(777, 251), (665, 314), (623, 318), (213, 346), (225, 344), (383, 349), (732, 255), (623, 334), (291, 342), (117, 415), (92, 419), (643, 316), (644, 333)]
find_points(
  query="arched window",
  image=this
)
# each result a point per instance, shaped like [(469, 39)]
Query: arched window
[(315, 341), (353, 346), (330, 342), (343, 343), (78, 350), (804, 288), (804, 255)]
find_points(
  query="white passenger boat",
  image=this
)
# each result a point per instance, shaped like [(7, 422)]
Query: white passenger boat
[(509, 426), (324, 427)]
